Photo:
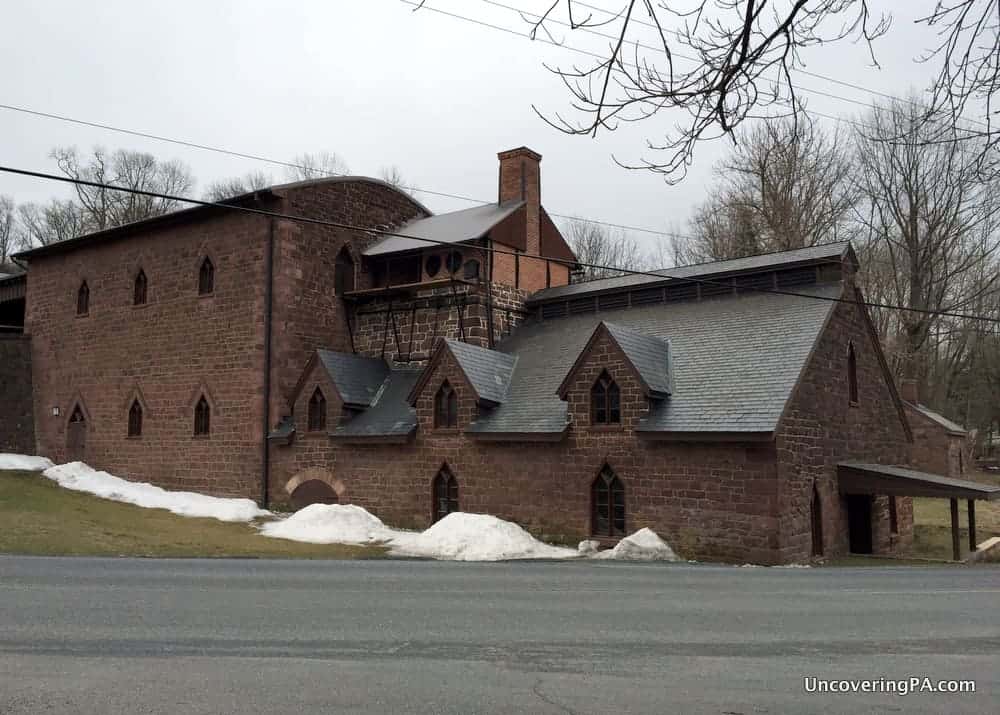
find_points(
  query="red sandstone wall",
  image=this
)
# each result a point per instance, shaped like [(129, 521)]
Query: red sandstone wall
[(934, 449), (167, 351), (821, 428), (710, 501)]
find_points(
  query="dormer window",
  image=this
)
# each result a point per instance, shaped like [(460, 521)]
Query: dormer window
[(446, 406), (605, 401), (317, 411)]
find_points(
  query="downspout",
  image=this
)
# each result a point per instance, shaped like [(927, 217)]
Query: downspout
[(489, 293), (268, 309)]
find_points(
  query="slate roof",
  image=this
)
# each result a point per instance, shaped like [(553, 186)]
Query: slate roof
[(488, 371), (831, 251), (454, 227), (649, 355), (390, 414), (357, 378), (938, 418), (735, 361)]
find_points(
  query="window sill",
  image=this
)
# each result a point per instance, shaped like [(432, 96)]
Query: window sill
[(133, 437), (854, 403), (607, 428), (83, 315), (206, 295), (201, 436), (139, 306)]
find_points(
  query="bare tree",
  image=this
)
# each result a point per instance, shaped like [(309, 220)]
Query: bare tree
[(104, 208), (394, 177), (58, 220), (600, 246), (229, 188), (7, 232), (722, 62), (931, 223), (784, 186), (316, 166)]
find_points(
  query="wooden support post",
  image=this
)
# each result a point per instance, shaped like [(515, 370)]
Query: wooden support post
[(956, 544), (972, 525)]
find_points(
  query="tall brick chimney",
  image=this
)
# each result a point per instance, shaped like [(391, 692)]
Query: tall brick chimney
[(520, 178), (908, 390)]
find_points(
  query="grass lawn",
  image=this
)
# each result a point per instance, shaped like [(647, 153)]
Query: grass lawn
[(41, 518), (932, 522)]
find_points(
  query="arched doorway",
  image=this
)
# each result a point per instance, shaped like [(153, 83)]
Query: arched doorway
[(313, 491), (76, 436)]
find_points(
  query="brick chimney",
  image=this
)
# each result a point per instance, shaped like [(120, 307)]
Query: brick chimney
[(908, 390), (521, 178)]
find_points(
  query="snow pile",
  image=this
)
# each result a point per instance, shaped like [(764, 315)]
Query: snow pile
[(475, 537), (24, 462), (643, 545), (79, 477), (330, 524)]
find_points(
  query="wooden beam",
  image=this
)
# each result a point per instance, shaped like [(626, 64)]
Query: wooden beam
[(956, 544), (972, 525)]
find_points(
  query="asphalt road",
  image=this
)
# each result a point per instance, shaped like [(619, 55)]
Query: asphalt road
[(168, 636)]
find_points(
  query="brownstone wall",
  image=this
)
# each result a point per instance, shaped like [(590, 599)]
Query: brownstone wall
[(307, 313), (935, 450), (165, 353), (820, 428), (710, 501), (17, 426)]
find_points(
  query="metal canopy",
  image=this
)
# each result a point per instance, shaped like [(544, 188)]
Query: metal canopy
[(859, 478)]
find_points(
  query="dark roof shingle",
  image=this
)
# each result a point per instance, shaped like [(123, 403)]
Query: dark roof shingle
[(357, 378)]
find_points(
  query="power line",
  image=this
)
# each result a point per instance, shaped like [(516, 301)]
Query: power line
[(302, 167), (843, 120), (661, 274), (800, 70)]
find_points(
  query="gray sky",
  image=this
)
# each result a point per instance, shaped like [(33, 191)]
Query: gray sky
[(371, 80)]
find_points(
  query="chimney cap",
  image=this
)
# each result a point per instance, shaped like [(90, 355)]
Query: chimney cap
[(519, 151)]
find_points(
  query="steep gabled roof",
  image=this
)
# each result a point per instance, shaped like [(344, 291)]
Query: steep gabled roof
[(488, 372), (357, 379), (649, 357), (454, 227), (390, 417), (734, 361)]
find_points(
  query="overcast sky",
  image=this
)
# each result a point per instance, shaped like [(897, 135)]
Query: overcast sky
[(371, 80)]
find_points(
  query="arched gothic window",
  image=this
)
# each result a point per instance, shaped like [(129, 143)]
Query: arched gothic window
[(135, 419), (83, 299), (206, 277), (445, 493), (343, 272), (317, 411), (607, 499), (852, 374), (202, 417), (446, 406), (139, 289), (605, 401)]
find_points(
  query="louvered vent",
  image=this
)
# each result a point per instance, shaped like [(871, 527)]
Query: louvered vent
[(796, 277), (684, 291), (715, 288), (613, 301), (553, 310), (647, 296), (582, 305), (757, 280)]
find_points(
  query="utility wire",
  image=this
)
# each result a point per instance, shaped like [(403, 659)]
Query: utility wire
[(417, 5), (660, 274), (302, 167)]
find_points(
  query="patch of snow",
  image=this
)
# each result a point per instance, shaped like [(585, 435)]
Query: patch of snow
[(643, 545), (82, 478), (330, 524), (24, 462), (475, 537), (588, 547)]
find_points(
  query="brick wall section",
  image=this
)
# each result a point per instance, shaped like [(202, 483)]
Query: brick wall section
[(167, 351), (307, 313), (935, 450), (710, 501), (17, 426), (821, 428)]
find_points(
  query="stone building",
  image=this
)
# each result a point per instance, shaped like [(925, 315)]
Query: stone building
[(417, 364)]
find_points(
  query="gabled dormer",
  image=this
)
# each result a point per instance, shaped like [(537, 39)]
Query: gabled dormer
[(617, 377)]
